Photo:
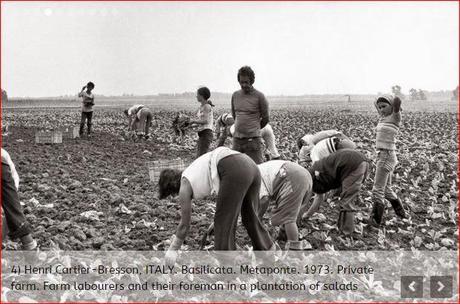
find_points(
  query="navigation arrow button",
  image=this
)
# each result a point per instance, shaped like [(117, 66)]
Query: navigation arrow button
[(441, 286), (412, 287)]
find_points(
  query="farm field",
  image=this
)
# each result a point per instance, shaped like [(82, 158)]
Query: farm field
[(87, 194)]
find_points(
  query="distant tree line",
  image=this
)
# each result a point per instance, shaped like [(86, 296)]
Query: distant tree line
[(455, 94), (417, 94)]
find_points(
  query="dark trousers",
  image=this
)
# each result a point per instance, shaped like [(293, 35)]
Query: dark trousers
[(204, 142), (253, 147), (351, 186), (15, 219), (88, 117), (238, 193)]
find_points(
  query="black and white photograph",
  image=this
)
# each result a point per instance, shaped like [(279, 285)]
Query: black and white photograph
[(175, 130)]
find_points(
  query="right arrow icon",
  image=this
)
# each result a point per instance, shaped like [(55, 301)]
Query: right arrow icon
[(440, 286)]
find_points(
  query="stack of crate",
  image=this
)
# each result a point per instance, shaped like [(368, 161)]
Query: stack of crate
[(48, 137), (156, 166)]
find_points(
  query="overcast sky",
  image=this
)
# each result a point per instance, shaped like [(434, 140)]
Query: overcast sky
[(51, 48)]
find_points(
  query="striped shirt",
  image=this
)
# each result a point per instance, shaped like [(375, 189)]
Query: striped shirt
[(387, 128), (323, 149), (222, 120)]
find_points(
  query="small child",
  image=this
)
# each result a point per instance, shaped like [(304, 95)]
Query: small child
[(388, 126), (204, 122), (87, 107), (16, 222)]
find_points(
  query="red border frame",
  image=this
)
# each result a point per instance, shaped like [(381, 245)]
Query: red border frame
[(458, 135)]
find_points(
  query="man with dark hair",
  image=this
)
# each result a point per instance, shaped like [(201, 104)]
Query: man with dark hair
[(250, 110)]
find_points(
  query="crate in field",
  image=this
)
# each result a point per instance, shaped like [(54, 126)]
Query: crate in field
[(156, 166), (48, 137), (70, 132)]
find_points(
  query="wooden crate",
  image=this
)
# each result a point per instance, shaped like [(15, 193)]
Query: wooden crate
[(70, 132), (51, 137), (156, 166)]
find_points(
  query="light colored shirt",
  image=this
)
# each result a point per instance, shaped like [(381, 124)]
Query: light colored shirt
[(202, 173), (6, 159), (268, 172), (310, 140), (269, 138), (319, 136), (205, 114), (221, 121), (323, 149), (387, 129), (87, 102), (135, 110)]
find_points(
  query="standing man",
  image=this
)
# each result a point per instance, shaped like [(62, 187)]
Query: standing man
[(87, 107), (250, 110)]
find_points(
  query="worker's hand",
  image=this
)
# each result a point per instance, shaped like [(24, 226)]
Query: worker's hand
[(171, 254), (170, 257)]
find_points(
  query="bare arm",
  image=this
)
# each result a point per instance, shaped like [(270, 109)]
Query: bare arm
[(265, 117), (81, 92), (203, 119), (222, 137), (304, 156), (233, 108), (319, 198), (219, 125), (185, 198), (397, 104), (132, 123)]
